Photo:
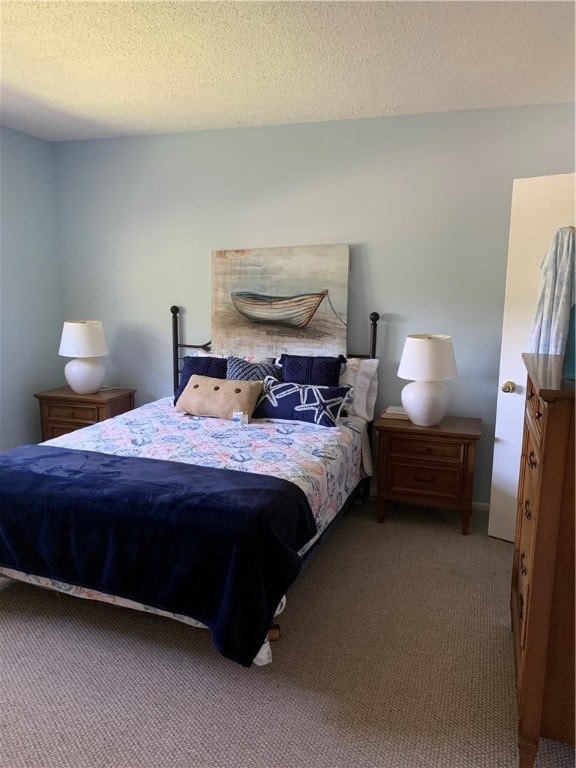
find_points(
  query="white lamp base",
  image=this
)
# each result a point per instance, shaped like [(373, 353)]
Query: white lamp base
[(85, 374), (425, 402)]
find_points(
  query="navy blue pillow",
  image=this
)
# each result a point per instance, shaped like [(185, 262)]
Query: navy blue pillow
[(319, 371), (203, 366), (301, 402)]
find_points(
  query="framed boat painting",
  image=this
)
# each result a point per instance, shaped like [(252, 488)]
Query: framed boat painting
[(267, 301)]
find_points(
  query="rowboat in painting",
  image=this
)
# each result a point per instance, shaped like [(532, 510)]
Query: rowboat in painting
[(295, 310)]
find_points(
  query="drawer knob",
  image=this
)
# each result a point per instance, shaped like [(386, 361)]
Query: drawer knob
[(527, 510), (523, 568), (532, 460), (508, 386), (521, 606)]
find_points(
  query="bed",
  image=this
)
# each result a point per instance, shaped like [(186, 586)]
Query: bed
[(203, 519)]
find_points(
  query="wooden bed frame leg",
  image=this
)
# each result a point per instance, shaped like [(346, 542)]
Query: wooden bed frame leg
[(274, 632)]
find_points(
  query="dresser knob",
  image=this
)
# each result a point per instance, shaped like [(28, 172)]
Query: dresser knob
[(532, 460), (508, 386), (527, 510), (523, 569)]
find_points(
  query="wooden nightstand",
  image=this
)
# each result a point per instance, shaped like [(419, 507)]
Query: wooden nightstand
[(433, 466), (63, 411)]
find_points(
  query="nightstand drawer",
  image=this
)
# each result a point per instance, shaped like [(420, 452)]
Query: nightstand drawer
[(57, 429), (444, 451), (73, 412), (416, 480)]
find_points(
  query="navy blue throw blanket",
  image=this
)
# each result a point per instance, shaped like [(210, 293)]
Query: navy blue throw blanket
[(220, 546)]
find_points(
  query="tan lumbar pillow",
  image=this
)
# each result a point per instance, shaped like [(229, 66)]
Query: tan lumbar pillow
[(219, 398)]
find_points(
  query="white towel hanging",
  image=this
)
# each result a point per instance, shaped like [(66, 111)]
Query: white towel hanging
[(551, 321)]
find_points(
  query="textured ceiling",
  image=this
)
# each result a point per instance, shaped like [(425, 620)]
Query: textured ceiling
[(98, 69)]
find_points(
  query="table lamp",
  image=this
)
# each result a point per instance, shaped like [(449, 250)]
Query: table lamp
[(428, 359), (84, 340)]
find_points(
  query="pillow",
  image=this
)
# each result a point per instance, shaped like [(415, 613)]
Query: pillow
[(238, 368), (303, 369), (199, 352), (287, 401), (202, 366), (362, 375), (219, 398)]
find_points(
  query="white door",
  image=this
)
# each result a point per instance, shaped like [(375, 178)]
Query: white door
[(539, 207)]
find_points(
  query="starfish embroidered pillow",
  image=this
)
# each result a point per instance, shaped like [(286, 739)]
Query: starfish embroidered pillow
[(287, 401)]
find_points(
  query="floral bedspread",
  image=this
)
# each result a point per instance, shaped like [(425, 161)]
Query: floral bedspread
[(326, 464)]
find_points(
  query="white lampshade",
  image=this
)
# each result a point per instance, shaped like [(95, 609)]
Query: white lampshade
[(428, 359), (84, 340)]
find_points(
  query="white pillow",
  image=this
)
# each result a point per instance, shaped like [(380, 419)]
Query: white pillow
[(199, 352), (362, 375)]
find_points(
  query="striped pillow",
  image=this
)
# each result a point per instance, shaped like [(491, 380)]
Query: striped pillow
[(240, 369)]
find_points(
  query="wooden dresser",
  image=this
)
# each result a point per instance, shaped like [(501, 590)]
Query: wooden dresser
[(63, 411), (542, 595)]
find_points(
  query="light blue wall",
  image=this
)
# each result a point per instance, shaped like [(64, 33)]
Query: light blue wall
[(424, 202), (30, 285)]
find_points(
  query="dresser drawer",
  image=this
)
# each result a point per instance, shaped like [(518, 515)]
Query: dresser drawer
[(524, 575), (527, 500), (523, 556), (87, 414), (523, 597), (413, 479), (535, 412), (445, 451), (531, 455)]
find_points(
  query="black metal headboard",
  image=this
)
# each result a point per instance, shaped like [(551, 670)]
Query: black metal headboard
[(178, 348)]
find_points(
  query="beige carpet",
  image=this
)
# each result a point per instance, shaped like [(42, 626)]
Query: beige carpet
[(396, 653)]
